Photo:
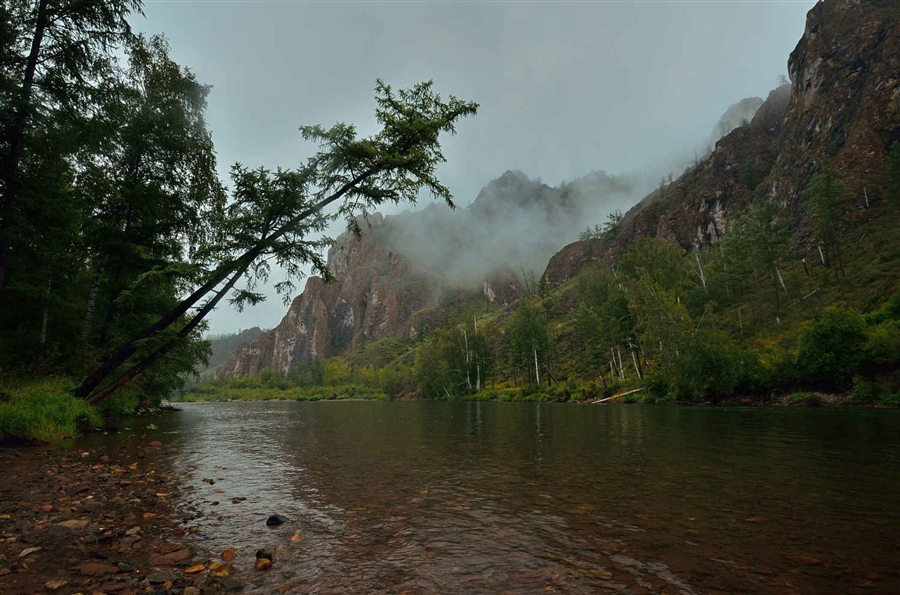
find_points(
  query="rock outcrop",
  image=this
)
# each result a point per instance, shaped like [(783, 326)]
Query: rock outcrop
[(377, 293)]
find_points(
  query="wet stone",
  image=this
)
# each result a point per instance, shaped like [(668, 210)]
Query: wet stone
[(158, 578)]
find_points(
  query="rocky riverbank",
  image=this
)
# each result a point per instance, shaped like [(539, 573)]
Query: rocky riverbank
[(98, 521)]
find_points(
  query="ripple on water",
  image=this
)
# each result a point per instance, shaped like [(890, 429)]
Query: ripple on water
[(486, 498)]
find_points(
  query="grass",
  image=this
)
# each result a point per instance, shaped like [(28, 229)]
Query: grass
[(45, 410), (293, 393)]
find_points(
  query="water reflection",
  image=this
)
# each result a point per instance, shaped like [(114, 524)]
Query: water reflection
[(486, 498)]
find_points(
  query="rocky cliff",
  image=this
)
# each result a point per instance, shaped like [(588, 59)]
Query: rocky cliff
[(842, 106), (377, 293)]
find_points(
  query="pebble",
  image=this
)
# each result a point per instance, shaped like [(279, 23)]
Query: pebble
[(96, 569), (233, 584), (262, 564)]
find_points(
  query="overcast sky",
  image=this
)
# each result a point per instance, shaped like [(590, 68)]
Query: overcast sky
[(565, 87)]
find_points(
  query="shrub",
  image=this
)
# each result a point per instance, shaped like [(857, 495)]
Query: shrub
[(47, 411), (866, 392), (832, 348), (805, 399)]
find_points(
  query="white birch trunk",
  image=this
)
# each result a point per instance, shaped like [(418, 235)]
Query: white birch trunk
[(46, 314), (780, 280)]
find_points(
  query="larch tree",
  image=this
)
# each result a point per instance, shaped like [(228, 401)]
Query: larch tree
[(276, 217)]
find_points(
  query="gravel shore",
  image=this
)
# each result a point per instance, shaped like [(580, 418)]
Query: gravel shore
[(98, 521)]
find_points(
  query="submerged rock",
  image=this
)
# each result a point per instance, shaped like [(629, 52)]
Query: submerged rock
[(275, 520)]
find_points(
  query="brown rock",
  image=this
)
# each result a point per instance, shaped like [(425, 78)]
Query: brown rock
[(228, 555), (195, 569), (262, 564), (191, 591), (156, 444), (55, 585), (96, 569), (172, 559), (806, 560)]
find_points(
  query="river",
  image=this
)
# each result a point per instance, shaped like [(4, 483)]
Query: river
[(434, 497)]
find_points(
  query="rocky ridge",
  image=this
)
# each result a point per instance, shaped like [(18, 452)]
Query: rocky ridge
[(842, 107)]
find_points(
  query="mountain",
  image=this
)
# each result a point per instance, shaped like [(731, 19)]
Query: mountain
[(841, 107)]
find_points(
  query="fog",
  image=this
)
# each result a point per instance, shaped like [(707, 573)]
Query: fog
[(566, 88)]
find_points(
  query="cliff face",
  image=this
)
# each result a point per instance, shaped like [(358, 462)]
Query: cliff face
[(377, 293), (843, 106)]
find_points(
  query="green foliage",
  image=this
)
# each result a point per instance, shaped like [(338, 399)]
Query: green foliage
[(827, 198), (707, 366), (455, 360), (46, 410), (255, 390), (608, 231), (832, 347), (527, 338), (893, 188), (748, 175), (866, 392), (804, 399)]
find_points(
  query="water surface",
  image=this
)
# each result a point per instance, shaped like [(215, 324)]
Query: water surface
[(526, 498)]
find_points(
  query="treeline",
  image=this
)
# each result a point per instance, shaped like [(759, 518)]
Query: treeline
[(109, 190)]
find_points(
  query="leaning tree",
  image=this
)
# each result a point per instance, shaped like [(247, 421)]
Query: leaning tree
[(276, 217)]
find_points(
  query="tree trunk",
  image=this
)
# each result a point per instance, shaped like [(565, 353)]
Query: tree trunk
[(240, 264), (149, 360), (92, 302), (17, 142), (537, 373), (637, 367), (46, 312)]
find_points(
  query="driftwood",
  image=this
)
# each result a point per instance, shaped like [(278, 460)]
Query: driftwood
[(618, 395)]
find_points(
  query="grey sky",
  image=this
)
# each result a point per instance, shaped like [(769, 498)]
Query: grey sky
[(564, 87)]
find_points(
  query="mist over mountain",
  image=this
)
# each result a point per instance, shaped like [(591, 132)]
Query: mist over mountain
[(514, 225)]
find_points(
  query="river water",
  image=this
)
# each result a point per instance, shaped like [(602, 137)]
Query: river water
[(434, 497)]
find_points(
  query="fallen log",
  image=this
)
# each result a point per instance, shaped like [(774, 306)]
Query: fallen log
[(626, 393)]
